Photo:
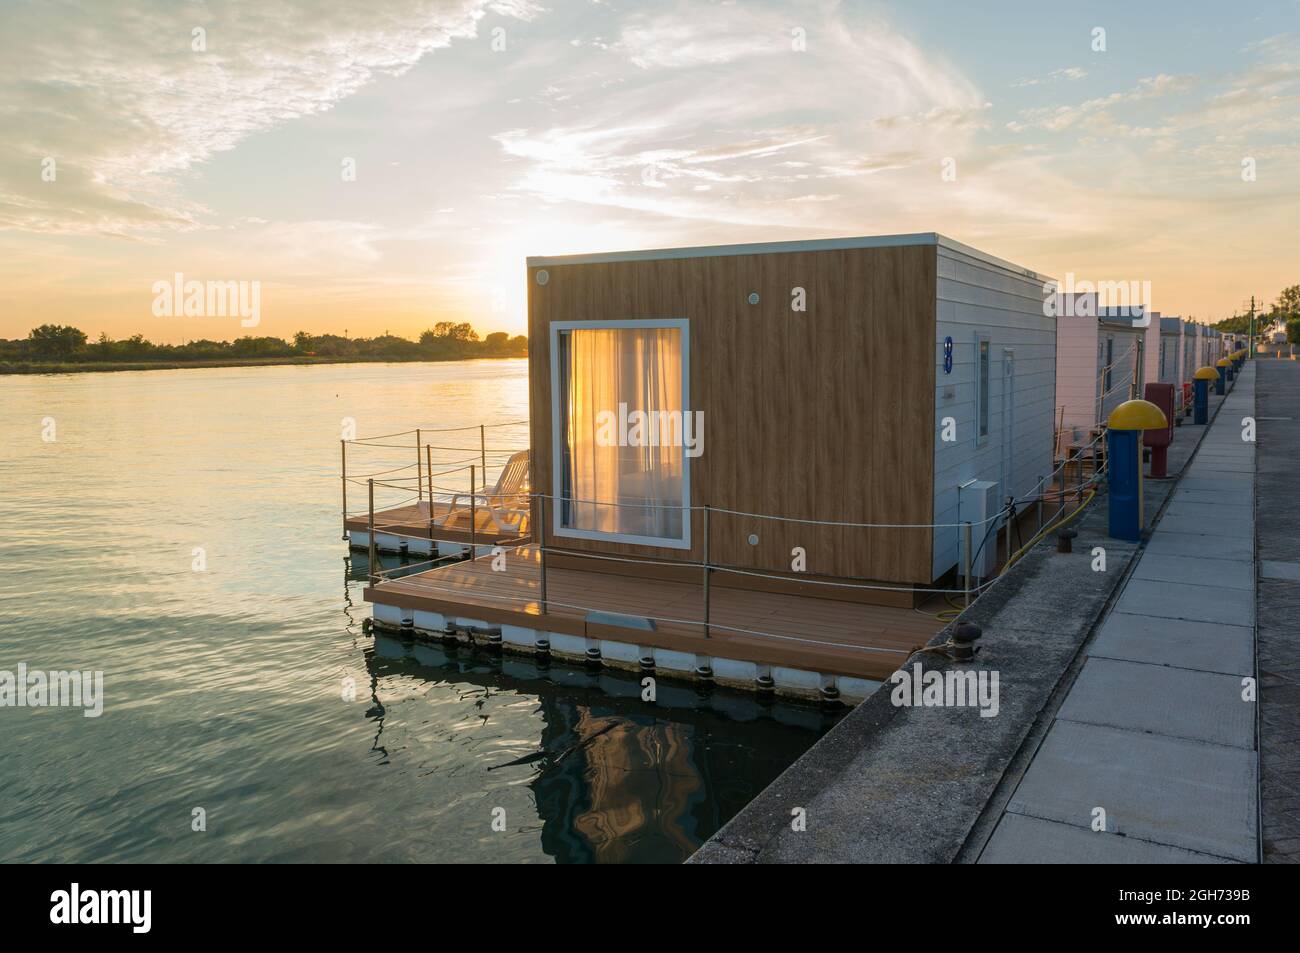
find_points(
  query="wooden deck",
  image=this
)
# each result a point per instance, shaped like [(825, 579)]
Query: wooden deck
[(818, 634), (413, 520)]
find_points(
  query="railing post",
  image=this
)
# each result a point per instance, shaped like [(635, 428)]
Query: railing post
[(419, 474), (1006, 523), (482, 452), (343, 447), (428, 457), (370, 527), (541, 546), (1042, 490), (966, 557), (473, 516), (706, 568)]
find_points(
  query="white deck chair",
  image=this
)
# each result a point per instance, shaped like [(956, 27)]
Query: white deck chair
[(507, 504)]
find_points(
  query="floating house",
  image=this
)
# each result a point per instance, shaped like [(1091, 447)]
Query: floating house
[(1149, 346), (1169, 363), (752, 462), (1213, 349), (1099, 362), (1191, 360)]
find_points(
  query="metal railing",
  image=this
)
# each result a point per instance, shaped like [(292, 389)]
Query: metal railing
[(1046, 487), (416, 477)]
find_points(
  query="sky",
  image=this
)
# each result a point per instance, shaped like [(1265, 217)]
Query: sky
[(1136, 142)]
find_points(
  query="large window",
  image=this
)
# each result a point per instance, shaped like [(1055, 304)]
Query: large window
[(622, 433)]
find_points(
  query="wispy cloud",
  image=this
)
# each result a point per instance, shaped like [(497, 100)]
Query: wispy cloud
[(124, 104), (1057, 118), (1056, 75), (733, 114)]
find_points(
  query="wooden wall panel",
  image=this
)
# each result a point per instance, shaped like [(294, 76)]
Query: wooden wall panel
[(819, 415)]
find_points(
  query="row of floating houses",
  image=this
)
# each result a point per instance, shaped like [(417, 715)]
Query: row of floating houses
[(783, 466)]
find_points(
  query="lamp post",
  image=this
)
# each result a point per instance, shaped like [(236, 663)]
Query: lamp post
[(1251, 340)]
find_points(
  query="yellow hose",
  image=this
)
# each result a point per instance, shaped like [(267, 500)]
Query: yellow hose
[(1011, 560), (948, 615)]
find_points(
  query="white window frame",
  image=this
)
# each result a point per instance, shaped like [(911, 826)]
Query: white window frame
[(557, 433)]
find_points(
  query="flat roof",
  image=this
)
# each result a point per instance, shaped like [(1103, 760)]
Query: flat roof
[(1122, 316), (773, 248)]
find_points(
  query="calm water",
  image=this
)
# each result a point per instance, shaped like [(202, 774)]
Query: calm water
[(223, 686)]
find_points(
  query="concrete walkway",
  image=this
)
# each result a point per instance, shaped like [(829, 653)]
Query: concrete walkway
[(1152, 755)]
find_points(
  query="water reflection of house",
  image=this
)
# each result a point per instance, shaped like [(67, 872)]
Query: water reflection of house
[(615, 781), (621, 788), (660, 757)]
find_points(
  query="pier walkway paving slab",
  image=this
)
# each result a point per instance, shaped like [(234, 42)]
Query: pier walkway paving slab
[(1199, 544), (1198, 646), (1031, 840), (1204, 571), (1274, 569), (1176, 600), (1170, 791), (1158, 729), (1142, 696)]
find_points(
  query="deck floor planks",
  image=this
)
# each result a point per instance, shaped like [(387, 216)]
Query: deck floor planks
[(848, 638), (413, 520)]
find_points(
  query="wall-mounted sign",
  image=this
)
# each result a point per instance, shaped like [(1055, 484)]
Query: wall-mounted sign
[(947, 355)]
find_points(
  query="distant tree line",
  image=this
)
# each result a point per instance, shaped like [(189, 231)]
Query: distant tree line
[(446, 340), (1285, 311)]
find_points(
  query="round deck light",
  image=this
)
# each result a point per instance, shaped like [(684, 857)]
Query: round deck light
[(753, 539), (753, 297), (543, 276)]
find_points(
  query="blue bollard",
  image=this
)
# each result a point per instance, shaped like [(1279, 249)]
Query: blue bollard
[(1201, 394), (1124, 460), (1124, 464), (1221, 385)]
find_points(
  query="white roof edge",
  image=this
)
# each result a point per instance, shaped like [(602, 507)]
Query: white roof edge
[(769, 248), (954, 245)]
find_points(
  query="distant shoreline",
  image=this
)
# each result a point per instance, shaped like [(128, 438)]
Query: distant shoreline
[(88, 367)]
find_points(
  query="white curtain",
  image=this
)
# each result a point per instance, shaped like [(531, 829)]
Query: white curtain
[(608, 486)]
